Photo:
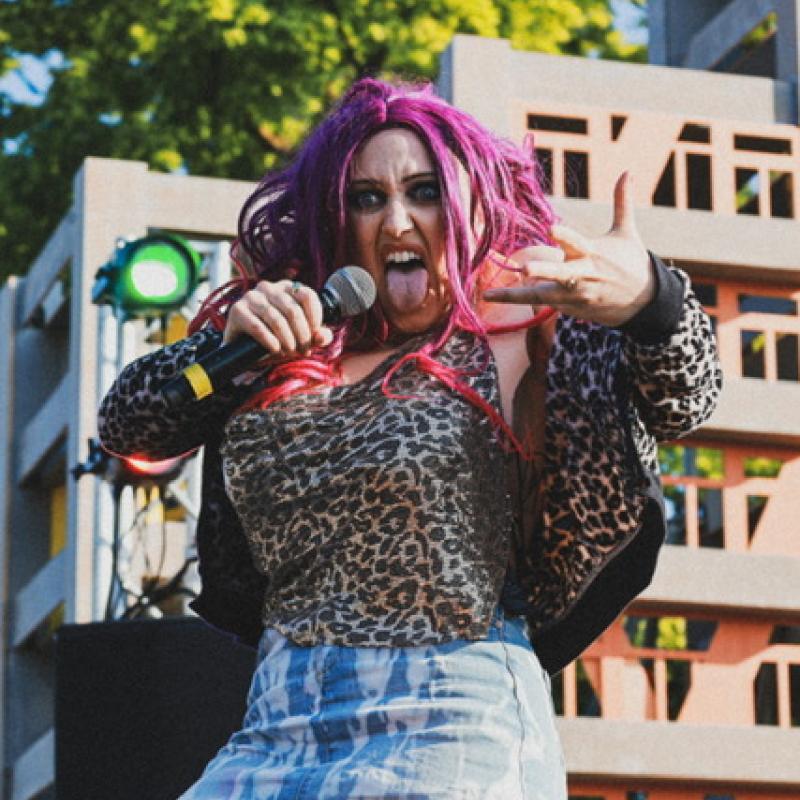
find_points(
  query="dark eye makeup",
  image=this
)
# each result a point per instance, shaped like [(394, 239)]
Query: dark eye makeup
[(426, 191), (370, 198), (366, 199)]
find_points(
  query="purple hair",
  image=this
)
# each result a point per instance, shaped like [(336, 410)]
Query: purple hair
[(297, 217), (295, 222)]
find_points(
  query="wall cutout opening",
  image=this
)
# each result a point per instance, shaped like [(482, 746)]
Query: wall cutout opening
[(765, 695), (664, 194), (692, 132), (762, 467), (794, 695), (706, 293), (754, 362), (762, 144), (588, 701), (709, 512), (747, 192), (781, 194), (555, 124), (576, 174), (787, 354), (785, 634), (675, 505), (767, 304), (702, 462), (756, 505), (544, 158), (669, 633), (698, 181)]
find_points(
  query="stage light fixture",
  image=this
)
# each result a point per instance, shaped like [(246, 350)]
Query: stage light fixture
[(147, 277), (121, 471), (144, 472)]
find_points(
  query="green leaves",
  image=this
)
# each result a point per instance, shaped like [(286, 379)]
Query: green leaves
[(224, 87)]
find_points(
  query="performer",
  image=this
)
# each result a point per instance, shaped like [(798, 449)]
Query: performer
[(418, 515)]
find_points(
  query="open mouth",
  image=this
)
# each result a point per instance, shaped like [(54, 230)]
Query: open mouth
[(406, 280), (404, 260)]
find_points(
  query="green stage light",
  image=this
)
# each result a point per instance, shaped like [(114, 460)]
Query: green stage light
[(148, 277)]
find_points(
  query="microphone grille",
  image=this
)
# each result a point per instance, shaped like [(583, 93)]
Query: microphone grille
[(355, 289)]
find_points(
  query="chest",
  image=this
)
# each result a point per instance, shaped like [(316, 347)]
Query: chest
[(509, 352), (356, 435)]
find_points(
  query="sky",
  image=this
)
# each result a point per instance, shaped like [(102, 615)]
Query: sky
[(628, 17), (30, 83)]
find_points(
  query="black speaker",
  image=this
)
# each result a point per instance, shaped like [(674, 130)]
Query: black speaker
[(142, 706)]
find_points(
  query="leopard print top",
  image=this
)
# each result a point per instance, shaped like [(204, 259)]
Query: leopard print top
[(379, 520), (587, 525)]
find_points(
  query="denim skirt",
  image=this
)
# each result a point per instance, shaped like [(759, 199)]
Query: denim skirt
[(465, 719)]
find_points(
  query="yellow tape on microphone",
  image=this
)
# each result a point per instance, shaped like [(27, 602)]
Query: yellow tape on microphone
[(198, 380)]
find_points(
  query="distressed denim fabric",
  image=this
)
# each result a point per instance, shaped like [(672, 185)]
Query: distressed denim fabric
[(465, 719)]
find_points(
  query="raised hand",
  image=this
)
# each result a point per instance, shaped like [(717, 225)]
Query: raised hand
[(606, 279), (285, 318)]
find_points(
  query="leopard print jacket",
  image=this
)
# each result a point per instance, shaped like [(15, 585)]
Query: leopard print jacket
[(588, 520)]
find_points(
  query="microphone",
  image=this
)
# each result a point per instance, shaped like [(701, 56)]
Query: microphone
[(350, 291)]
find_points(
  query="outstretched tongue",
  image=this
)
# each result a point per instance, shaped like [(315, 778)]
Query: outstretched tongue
[(408, 287)]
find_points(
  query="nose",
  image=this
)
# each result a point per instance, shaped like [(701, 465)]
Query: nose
[(397, 219)]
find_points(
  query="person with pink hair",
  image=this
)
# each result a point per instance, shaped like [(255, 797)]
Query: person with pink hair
[(420, 514)]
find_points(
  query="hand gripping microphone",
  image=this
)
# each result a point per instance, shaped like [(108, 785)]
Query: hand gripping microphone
[(350, 291)]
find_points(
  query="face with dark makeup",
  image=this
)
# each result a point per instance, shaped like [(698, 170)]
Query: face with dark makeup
[(396, 228)]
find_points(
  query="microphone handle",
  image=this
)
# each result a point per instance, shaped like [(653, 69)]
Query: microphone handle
[(212, 371), (215, 370)]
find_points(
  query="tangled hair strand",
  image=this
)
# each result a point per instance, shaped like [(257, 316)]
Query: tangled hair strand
[(294, 225)]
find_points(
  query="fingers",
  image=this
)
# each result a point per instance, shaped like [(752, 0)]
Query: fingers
[(624, 215), (546, 275), (287, 318), (538, 252), (565, 274), (284, 317), (308, 299), (548, 293), (256, 316), (592, 278), (572, 243)]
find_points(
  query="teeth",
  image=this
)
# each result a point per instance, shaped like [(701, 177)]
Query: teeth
[(401, 257)]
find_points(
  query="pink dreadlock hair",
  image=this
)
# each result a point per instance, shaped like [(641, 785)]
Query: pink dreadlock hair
[(294, 225)]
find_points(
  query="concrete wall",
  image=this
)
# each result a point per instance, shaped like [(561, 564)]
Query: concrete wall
[(58, 360)]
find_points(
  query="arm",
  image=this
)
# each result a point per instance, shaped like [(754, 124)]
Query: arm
[(133, 417), (670, 357), (283, 317)]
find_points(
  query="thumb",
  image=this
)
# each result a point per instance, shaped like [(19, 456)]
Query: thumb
[(624, 217)]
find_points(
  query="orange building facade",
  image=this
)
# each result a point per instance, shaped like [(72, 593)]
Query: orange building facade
[(694, 693), (721, 493)]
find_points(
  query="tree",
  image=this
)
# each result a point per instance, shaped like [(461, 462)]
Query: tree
[(224, 87)]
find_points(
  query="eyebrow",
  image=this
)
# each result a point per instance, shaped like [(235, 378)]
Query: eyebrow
[(407, 179)]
